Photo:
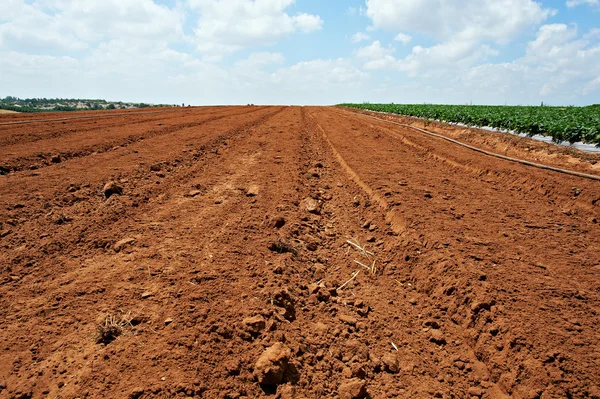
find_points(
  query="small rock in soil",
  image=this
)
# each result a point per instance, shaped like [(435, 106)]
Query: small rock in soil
[(147, 294), (272, 365), (390, 362), (193, 193), (286, 391), (123, 243), (136, 393), (480, 372), (433, 324), (111, 188), (362, 308), (437, 337), (353, 389), (284, 300), (348, 319), (168, 321), (496, 392), (252, 191), (358, 370), (310, 205), (282, 247), (315, 173), (254, 325), (56, 159), (475, 391)]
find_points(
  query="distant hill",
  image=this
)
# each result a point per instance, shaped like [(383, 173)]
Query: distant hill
[(11, 103)]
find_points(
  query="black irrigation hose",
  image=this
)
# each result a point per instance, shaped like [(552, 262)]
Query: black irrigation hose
[(528, 163)]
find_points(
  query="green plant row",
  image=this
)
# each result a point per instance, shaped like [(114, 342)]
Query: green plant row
[(570, 124)]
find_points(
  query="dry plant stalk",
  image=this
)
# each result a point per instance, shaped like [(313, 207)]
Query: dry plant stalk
[(351, 278), (357, 245), (369, 255), (113, 327)]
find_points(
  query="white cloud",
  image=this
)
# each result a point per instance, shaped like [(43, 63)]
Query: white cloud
[(359, 37), (574, 3), (557, 64), (260, 59), (96, 20), (592, 86), (24, 27), (496, 20), (65, 25), (319, 82), (432, 61), (307, 22), (463, 28), (230, 25), (403, 38), (374, 51)]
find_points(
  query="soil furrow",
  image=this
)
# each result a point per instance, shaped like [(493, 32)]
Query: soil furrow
[(75, 147), (10, 135)]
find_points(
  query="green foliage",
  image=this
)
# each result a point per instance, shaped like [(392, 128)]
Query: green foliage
[(19, 109), (561, 123)]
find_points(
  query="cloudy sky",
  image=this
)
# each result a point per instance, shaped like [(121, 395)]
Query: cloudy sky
[(303, 52)]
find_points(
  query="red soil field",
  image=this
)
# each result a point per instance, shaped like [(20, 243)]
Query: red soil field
[(292, 252)]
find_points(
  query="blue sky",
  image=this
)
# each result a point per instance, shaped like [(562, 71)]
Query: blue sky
[(303, 52)]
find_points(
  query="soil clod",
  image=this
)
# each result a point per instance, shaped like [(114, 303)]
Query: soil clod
[(253, 190), (282, 247), (353, 388), (271, 366), (112, 188), (254, 325)]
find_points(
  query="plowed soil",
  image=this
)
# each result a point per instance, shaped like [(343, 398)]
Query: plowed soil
[(292, 252)]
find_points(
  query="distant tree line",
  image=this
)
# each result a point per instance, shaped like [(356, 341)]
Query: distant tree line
[(12, 103)]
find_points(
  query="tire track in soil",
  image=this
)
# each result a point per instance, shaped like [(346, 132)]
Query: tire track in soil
[(508, 284), (396, 221), (45, 159)]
